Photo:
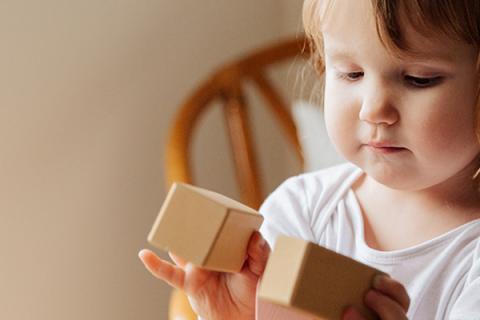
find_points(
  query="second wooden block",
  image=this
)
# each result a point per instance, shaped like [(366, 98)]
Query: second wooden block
[(305, 281)]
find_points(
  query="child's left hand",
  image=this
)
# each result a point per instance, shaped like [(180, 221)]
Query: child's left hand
[(388, 299)]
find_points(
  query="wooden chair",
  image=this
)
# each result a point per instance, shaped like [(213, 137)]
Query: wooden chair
[(227, 85)]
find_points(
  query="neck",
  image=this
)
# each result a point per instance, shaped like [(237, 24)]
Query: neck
[(458, 194), (396, 219)]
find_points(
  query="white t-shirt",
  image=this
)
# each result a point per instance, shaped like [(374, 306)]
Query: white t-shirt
[(442, 275)]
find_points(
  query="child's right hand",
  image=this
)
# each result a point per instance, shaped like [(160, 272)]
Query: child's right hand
[(388, 299), (215, 295)]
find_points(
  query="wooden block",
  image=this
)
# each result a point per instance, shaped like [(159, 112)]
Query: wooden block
[(305, 281), (269, 310), (204, 227)]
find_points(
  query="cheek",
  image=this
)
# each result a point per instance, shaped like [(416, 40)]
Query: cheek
[(340, 120), (451, 123), (445, 130), (447, 136)]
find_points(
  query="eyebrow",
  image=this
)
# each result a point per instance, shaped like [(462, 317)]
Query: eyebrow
[(339, 54), (438, 56)]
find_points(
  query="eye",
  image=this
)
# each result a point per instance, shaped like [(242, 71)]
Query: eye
[(422, 82), (350, 76)]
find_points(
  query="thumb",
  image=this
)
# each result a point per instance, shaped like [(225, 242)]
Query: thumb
[(178, 260), (258, 253)]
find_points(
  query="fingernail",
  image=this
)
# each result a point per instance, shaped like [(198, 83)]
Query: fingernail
[(141, 253), (263, 243), (377, 280)]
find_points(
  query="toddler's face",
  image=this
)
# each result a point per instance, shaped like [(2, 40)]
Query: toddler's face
[(425, 105)]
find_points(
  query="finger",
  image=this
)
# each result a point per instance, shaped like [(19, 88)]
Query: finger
[(258, 252), (352, 314), (384, 306), (393, 289), (178, 261), (173, 275)]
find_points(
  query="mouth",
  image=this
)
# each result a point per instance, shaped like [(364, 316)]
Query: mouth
[(384, 147)]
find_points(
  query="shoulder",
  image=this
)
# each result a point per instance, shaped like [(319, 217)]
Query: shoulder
[(290, 207), (474, 272), (316, 184), (467, 306)]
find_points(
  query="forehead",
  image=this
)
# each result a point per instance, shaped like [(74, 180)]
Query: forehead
[(349, 28)]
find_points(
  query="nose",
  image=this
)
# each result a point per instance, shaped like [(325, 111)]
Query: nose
[(377, 107)]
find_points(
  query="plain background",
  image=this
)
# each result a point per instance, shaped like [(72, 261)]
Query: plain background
[(87, 92)]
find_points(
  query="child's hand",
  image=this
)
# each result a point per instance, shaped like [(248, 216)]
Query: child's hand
[(215, 295), (388, 299)]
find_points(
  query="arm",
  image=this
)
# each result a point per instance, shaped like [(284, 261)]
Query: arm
[(286, 212)]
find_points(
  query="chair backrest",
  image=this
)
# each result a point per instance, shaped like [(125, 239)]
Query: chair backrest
[(227, 85)]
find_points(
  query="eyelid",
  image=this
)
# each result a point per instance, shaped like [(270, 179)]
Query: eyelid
[(432, 81), (422, 75), (347, 75), (346, 69), (425, 72), (354, 74)]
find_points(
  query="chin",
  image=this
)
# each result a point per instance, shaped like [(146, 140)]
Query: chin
[(391, 177), (391, 182)]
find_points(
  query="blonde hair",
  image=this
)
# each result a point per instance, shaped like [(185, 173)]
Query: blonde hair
[(457, 19)]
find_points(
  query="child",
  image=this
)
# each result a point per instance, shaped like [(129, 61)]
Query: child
[(400, 102)]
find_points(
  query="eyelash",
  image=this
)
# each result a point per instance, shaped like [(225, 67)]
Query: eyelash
[(416, 82)]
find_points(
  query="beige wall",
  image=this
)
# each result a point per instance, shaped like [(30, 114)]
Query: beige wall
[(87, 91), (291, 16)]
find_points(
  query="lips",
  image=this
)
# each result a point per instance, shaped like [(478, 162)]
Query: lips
[(385, 147), (384, 144)]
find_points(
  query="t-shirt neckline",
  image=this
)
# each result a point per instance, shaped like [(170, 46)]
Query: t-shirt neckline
[(400, 254)]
